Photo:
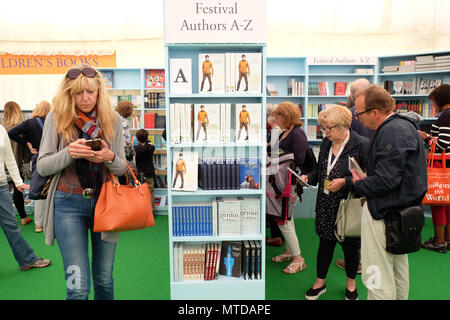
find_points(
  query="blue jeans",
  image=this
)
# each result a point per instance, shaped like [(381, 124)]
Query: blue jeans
[(22, 251), (73, 218)]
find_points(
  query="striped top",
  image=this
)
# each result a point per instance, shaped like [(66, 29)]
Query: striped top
[(440, 131)]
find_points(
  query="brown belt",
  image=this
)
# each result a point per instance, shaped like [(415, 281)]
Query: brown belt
[(67, 188)]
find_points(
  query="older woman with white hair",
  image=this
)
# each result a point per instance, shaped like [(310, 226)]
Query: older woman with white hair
[(334, 182)]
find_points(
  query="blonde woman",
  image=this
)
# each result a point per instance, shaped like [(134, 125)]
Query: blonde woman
[(29, 134), (334, 182), (12, 116), (81, 111)]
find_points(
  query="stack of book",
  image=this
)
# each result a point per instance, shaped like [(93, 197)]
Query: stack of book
[(271, 89), (154, 100), (318, 88), (295, 88), (390, 69), (363, 71)]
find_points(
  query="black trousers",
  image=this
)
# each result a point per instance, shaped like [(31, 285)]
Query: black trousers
[(351, 250)]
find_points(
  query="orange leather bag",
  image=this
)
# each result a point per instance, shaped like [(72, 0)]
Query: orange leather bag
[(438, 192), (123, 207)]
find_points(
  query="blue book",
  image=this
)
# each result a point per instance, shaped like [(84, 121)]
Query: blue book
[(249, 175), (223, 174), (174, 221)]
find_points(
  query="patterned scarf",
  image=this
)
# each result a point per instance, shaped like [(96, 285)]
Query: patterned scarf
[(90, 174)]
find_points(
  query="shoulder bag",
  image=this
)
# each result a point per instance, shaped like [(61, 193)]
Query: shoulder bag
[(123, 207), (348, 218)]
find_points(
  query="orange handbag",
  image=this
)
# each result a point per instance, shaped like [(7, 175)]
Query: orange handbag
[(123, 207), (438, 179)]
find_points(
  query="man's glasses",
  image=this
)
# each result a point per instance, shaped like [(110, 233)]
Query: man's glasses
[(328, 128), (360, 113), (87, 72)]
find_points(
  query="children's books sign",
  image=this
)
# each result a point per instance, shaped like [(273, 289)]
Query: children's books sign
[(221, 21)]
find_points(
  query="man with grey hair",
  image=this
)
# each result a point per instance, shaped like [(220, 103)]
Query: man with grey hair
[(359, 85)]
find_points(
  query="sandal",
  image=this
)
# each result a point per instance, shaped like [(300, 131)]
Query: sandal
[(291, 268), (282, 258)]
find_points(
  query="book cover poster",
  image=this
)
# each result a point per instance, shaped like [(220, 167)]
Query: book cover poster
[(248, 122), (155, 79), (248, 72), (185, 170), (181, 76), (249, 173), (109, 78), (207, 123), (211, 73)]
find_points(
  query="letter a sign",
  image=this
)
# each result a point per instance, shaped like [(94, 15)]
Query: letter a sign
[(181, 76)]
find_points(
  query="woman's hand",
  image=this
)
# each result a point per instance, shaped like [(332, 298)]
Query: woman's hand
[(102, 155), (305, 178), (336, 184), (78, 149), (423, 134), (23, 187)]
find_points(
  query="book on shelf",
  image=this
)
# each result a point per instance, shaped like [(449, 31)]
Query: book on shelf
[(363, 71), (185, 170), (228, 216), (252, 275), (109, 78), (248, 122), (155, 79), (247, 73), (250, 215), (398, 87), (249, 173), (193, 219), (181, 76), (207, 123), (211, 72), (246, 259), (339, 88), (225, 122), (424, 85), (257, 259), (231, 259), (434, 84), (271, 89), (295, 88), (149, 120)]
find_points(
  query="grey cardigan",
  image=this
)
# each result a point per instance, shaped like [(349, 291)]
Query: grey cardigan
[(54, 157)]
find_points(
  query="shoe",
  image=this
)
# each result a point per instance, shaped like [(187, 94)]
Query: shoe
[(276, 242), (39, 263), (314, 294), (246, 138), (341, 264), (282, 258), (39, 229), (292, 268), (431, 245), (26, 221), (351, 295)]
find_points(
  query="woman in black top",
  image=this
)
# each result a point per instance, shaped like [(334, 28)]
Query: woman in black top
[(144, 160), (292, 139), (29, 133), (334, 182), (440, 134)]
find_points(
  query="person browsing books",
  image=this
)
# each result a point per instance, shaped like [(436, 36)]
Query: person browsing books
[(144, 160), (292, 139), (440, 132), (208, 72), (396, 178), (29, 133), (334, 181), (81, 111)]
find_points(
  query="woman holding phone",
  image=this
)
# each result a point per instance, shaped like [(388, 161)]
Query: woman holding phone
[(81, 112)]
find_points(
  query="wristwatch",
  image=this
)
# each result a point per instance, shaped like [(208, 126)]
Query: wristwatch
[(109, 162)]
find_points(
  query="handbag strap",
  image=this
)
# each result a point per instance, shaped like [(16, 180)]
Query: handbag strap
[(432, 154), (116, 183)]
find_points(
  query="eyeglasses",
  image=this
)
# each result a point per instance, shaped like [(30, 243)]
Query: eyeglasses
[(87, 72), (328, 128), (360, 113)]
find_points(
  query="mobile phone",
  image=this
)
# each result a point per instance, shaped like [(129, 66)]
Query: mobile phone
[(95, 144)]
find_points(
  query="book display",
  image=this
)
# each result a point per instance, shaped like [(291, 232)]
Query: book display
[(216, 110), (145, 88)]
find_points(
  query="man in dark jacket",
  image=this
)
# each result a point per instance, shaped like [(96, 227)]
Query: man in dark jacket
[(396, 178)]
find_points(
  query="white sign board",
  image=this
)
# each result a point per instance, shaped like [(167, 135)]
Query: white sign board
[(215, 21), (349, 60)]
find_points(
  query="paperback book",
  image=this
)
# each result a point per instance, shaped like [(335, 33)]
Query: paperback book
[(228, 216), (247, 72), (185, 170), (250, 215), (231, 259), (249, 173), (207, 123), (211, 71), (155, 79), (248, 122)]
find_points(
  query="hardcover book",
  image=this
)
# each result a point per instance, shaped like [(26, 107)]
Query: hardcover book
[(248, 122), (181, 76), (207, 120), (250, 215), (155, 79), (185, 170), (231, 259), (339, 88), (246, 259), (247, 72), (249, 173), (228, 216), (211, 73)]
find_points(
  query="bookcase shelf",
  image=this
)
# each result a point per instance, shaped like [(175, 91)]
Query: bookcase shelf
[(182, 106)]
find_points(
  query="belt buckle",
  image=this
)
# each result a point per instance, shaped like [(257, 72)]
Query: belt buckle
[(87, 193)]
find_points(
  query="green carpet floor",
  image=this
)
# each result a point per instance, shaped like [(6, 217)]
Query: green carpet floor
[(141, 270)]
